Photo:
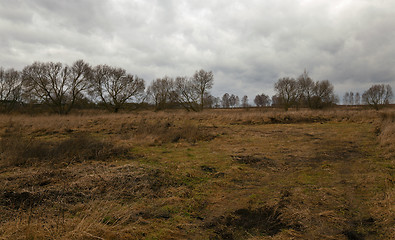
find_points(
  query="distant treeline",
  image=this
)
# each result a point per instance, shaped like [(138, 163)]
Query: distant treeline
[(60, 88)]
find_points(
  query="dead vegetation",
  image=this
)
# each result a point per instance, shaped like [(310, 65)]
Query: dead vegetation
[(170, 132), (213, 175), (386, 133), (19, 150)]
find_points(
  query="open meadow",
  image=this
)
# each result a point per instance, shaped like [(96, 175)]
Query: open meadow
[(216, 174)]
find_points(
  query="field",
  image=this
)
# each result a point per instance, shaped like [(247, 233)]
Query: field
[(218, 174)]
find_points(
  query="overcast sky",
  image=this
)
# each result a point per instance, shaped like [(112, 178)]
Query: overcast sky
[(248, 44)]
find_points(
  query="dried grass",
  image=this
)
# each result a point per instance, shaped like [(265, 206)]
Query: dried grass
[(18, 150), (335, 185)]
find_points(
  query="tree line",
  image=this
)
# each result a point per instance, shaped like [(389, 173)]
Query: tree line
[(376, 96), (61, 87)]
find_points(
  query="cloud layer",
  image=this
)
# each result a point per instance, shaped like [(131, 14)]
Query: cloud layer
[(247, 44)]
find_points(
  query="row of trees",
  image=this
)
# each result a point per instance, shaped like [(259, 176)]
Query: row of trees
[(350, 98), (303, 92), (376, 96), (191, 93), (61, 87), (233, 101)]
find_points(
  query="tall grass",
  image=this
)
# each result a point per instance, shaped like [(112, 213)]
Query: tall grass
[(18, 150), (386, 133)]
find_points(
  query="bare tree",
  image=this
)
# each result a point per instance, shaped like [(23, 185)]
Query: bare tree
[(55, 84), (346, 98), (161, 92), (262, 100), (225, 100), (186, 94), (323, 95), (209, 100), (275, 101), (378, 95), (237, 101), (244, 102), (203, 81), (233, 100), (306, 89), (79, 81), (217, 102), (350, 98), (10, 89), (312, 94), (287, 92), (357, 99), (114, 87)]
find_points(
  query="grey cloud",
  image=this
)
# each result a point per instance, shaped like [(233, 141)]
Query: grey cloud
[(85, 16), (248, 44)]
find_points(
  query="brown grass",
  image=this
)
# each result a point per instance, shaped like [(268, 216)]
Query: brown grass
[(18, 150), (386, 133), (218, 174)]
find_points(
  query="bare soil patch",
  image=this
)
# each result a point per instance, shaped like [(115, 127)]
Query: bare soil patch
[(266, 221)]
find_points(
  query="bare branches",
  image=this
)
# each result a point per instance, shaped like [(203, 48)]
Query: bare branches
[(161, 92), (61, 87), (10, 89), (304, 92), (202, 81), (55, 84), (187, 95), (190, 93), (262, 100), (114, 87), (287, 91), (378, 95)]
